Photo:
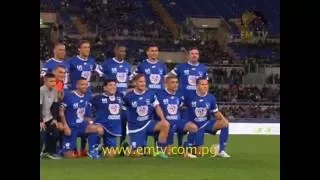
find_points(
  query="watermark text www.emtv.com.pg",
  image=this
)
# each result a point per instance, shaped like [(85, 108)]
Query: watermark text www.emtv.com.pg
[(153, 150)]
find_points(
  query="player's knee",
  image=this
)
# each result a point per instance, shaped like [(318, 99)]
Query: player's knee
[(225, 124), (100, 130), (193, 128), (165, 125)]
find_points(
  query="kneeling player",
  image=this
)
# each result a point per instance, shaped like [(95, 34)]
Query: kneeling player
[(108, 110), (140, 104), (171, 102), (200, 105), (75, 113)]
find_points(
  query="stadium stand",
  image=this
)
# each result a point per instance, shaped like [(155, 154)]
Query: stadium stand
[(135, 23)]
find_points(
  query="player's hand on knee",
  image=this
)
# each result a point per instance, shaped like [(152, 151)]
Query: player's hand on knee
[(60, 126), (54, 122), (225, 123), (164, 124), (67, 130)]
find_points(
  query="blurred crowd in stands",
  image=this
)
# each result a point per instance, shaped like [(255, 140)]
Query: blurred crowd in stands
[(246, 93), (130, 18), (250, 111)]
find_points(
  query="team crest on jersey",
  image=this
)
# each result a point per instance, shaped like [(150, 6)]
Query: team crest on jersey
[(134, 104), (155, 78), (207, 105), (186, 72), (192, 80), (104, 100), (75, 106), (148, 101), (142, 110), (200, 73), (79, 67), (193, 103), (200, 112), (91, 67), (114, 70), (121, 77), (160, 71), (86, 74), (114, 108), (172, 109), (147, 71), (165, 101), (80, 113)]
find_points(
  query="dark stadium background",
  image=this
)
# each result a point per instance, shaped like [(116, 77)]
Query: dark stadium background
[(238, 40)]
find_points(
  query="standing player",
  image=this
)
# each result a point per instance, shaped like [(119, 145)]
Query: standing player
[(190, 71), (201, 105), (59, 54), (171, 103), (108, 107), (187, 74), (82, 66), (140, 104), (75, 113), (153, 69), (117, 68)]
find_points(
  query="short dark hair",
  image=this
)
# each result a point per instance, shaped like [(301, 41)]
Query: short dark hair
[(201, 79), (83, 42), (171, 77), (119, 46), (49, 75), (107, 81), (152, 45), (58, 44), (82, 79), (193, 48), (136, 77), (59, 66)]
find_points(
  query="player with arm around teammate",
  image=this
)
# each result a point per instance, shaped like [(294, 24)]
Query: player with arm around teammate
[(108, 107), (76, 116), (140, 104), (201, 105)]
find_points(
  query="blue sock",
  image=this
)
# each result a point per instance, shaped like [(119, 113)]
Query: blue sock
[(223, 138), (192, 138), (93, 141), (161, 146)]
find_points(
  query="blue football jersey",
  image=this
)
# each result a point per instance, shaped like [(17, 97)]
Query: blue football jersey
[(79, 67), (188, 74), (108, 110), (200, 108), (113, 69), (76, 108), (51, 64), (154, 73), (140, 108), (170, 104)]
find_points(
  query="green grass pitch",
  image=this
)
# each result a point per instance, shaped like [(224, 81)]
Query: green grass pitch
[(253, 158)]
